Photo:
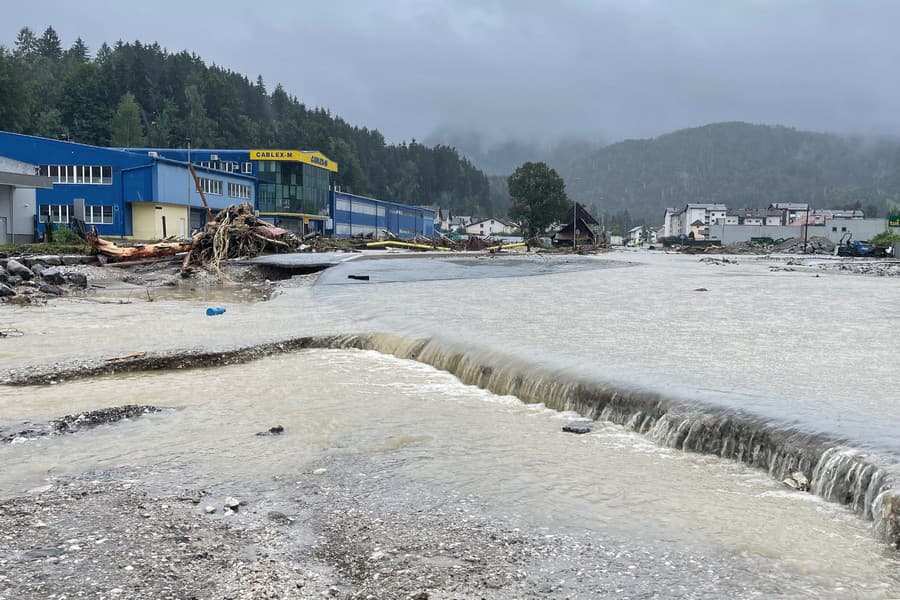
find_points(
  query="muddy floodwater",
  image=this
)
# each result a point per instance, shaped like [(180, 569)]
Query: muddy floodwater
[(618, 512)]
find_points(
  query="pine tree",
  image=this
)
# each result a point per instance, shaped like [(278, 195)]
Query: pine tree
[(125, 127), (104, 53), (26, 44), (49, 45), (79, 51)]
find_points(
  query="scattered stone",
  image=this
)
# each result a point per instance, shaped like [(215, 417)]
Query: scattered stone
[(277, 430), (232, 503), (49, 259), (77, 279), (701, 290), (802, 481), (210, 509), (50, 289), (71, 261), (420, 596), (52, 275), (320, 471), (84, 420), (279, 517), (5, 290), (577, 428), (14, 280), (16, 268)]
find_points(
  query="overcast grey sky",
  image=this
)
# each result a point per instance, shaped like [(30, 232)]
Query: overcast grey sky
[(528, 68)]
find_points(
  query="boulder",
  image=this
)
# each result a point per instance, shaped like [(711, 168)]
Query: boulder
[(77, 279), (5, 290), (50, 289), (3, 274), (16, 268), (52, 275), (13, 280), (71, 261), (577, 428), (50, 259)]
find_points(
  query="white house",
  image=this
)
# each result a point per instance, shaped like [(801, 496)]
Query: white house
[(693, 218), (636, 235), (487, 227)]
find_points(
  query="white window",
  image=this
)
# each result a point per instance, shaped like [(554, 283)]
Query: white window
[(211, 186), (57, 213), (342, 204), (248, 167), (98, 215), (77, 174), (239, 191)]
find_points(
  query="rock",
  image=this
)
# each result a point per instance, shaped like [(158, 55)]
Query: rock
[(320, 471), (13, 280), (378, 555), (50, 289), (577, 428), (277, 430), (791, 483), (16, 268), (209, 509), (701, 290), (49, 259), (5, 290), (3, 274), (232, 503), (802, 481), (279, 517), (71, 261), (420, 596), (77, 279), (89, 260), (52, 275)]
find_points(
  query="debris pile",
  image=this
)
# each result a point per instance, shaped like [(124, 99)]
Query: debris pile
[(237, 232), (814, 245)]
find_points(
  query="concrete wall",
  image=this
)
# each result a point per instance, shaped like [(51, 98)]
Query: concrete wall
[(14, 166), (834, 229), (731, 234), (17, 210), (147, 220), (862, 229)]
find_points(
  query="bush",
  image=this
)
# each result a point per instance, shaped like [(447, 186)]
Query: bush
[(886, 238)]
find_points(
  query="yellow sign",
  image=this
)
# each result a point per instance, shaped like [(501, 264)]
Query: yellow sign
[(316, 159)]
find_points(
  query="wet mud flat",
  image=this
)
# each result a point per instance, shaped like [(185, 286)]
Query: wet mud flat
[(344, 527)]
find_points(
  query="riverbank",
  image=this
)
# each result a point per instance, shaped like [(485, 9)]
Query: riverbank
[(412, 486)]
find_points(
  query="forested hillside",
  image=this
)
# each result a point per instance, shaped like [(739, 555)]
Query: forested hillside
[(134, 94), (739, 164)]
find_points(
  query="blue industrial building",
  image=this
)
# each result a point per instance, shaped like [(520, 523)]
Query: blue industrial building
[(149, 193), (127, 194), (355, 216)]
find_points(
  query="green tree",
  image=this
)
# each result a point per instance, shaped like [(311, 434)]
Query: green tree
[(164, 125), (26, 44), (78, 52), (49, 45), (538, 196), (13, 94), (125, 127)]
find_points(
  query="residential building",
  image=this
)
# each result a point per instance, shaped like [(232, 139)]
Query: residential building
[(636, 235), (693, 219), (488, 227), (790, 211), (586, 227)]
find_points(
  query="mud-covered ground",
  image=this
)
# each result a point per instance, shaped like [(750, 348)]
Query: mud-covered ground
[(346, 527)]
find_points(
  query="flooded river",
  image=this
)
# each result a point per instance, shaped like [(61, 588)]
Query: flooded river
[(787, 350)]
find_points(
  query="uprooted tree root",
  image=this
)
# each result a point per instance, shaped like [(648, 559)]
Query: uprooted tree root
[(235, 233)]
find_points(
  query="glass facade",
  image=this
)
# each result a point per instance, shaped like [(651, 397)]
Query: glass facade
[(292, 187)]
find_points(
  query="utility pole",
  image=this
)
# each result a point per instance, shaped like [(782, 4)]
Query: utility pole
[(806, 229), (574, 224)]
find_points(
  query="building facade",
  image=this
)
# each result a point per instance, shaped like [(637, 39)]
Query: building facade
[(132, 194), (358, 216)]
